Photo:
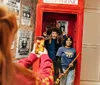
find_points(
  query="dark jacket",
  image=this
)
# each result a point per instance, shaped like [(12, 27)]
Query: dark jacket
[(52, 47)]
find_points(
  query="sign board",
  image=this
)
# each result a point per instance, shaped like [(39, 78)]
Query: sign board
[(71, 2), (14, 5), (26, 12), (24, 43), (26, 15), (63, 26)]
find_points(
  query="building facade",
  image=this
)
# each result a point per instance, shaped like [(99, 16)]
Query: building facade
[(90, 70)]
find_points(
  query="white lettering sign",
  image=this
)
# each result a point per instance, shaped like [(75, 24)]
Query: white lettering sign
[(72, 2)]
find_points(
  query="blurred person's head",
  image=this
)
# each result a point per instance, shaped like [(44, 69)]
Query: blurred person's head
[(8, 28)]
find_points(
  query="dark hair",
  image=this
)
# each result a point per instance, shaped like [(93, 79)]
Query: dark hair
[(53, 30), (64, 42)]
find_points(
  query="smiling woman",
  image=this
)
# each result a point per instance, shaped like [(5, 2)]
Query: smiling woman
[(67, 54)]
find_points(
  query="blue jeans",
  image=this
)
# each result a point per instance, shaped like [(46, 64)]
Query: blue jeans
[(68, 79)]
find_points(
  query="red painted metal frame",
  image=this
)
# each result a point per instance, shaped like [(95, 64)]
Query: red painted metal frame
[(69, 9)]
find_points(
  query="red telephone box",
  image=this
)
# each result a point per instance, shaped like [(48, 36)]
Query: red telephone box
[(67, 11)]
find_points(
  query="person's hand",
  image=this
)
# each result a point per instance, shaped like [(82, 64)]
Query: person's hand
[(33, 51), (63, 33), (44, 52), (71, 64), (60, 75), (41, 53)]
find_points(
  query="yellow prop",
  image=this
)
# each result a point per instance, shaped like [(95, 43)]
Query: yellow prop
[(39, 44)]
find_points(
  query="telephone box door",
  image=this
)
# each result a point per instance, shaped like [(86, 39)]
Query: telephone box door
[(69, 17)]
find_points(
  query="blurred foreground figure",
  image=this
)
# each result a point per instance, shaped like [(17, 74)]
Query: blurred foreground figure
[(15, 74)]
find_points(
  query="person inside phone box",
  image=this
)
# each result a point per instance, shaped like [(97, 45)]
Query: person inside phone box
[(52, 44), (67, 54)]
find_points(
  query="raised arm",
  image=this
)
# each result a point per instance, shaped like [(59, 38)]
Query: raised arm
[(28, 62), (46, 70)]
